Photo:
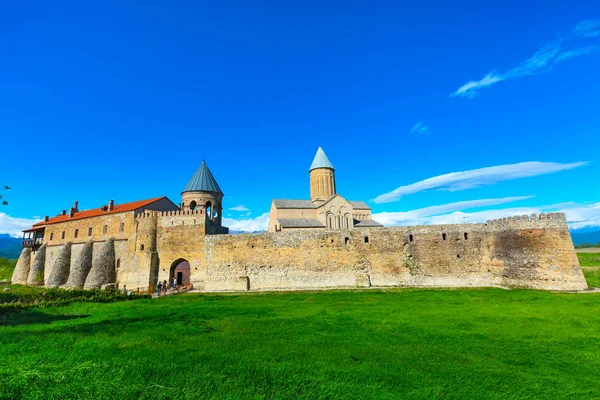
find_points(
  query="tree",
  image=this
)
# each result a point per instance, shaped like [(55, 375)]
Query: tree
[(4, 202)]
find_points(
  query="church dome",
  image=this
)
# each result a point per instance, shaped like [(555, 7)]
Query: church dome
[(203, 181), (321, 161)]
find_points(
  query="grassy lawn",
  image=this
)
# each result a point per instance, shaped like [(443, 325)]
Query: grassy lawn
[(589, 259), (457, 344), (592, 276)]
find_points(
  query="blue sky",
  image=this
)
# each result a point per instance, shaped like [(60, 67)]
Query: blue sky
[(433, 112)]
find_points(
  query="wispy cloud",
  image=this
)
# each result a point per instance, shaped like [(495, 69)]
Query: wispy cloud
[(422, 215), (259, 223), (456, 181), (578, 215), (240, 208), (420, 129), (547, 56), (15, 226)]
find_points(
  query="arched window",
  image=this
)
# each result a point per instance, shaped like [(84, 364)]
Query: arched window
[(105, 229), (76, 233), (466, 236), (51, 235), (118, 263), (347, 240), (62, 236), (366, 239), (142, 247), (329, 221), (208, 207), (443, 236), (347, 221), (193, 205), (410, 238)]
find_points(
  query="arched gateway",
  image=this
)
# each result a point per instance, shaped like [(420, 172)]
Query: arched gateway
[(180, 269)]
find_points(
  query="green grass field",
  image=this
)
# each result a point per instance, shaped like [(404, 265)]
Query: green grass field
[(420, 344), (589, 259)]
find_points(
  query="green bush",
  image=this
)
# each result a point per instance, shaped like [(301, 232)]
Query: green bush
[(6, 268)]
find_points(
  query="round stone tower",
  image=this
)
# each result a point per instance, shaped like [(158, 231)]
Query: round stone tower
[(203, 192), (322, 177)]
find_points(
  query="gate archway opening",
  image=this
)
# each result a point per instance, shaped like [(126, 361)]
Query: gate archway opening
[(180, 269)]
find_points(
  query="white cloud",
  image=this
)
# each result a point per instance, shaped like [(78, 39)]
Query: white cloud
[(14, 226), (581, 216), (420, 129), (422, 215), (239, 208), (578, 215), (543, 60), (259, 223), (456, 181)]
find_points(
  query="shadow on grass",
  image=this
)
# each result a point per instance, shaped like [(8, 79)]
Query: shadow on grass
[(34, 317)]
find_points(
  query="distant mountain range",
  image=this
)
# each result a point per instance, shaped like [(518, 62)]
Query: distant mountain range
[(585, 236), (10, 247)]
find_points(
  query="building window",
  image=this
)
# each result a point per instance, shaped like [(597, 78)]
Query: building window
[(142, 247), (89, 231), (62, 235), (122, 227), (443, 236), (193, 205), (51, 235), (105, 229), (410, 238), (118, 263), (76, 233), (366, 239), (466, 236), (347, 240)]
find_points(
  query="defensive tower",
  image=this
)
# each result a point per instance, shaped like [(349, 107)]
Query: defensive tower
[(322, 177), (203, 192)]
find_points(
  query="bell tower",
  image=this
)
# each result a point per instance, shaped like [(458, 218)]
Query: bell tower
[(322, 177), (203, 192)]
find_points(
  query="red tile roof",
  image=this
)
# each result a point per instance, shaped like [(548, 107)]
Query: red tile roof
[(118, 208)]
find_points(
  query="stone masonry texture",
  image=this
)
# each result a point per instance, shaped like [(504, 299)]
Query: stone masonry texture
[(36, 273), (60, 270), (103, 267), (21, 271), (80, 268)]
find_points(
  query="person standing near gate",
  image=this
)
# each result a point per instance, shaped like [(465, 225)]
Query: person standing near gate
[(158, 289), (174, 284)]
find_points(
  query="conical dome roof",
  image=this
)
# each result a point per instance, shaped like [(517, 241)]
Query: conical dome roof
[(321, 161), (203, 181)]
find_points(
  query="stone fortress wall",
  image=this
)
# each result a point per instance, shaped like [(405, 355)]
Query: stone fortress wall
[(532, 252), (528, 251)]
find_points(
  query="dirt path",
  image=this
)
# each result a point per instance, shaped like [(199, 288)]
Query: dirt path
[(588, 250)]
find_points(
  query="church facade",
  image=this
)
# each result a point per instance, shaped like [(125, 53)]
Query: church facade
[(326, 209)]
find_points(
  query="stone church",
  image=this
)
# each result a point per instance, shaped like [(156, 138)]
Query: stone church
[(326, 209)]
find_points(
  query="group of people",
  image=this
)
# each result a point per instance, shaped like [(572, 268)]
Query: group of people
[(164, 285)]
